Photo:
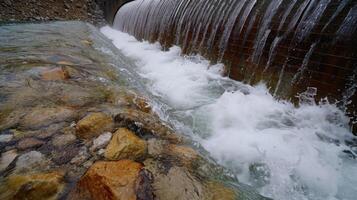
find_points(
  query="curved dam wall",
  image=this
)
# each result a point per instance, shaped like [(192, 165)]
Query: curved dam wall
[(292, 45), (110, 8)]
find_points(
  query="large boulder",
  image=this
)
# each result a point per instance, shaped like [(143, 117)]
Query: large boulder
[(93, 125), (125, 145), (108, 181), (33, 186)]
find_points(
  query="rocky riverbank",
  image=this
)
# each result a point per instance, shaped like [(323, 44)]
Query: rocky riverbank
[(71, 127), (50, 10)]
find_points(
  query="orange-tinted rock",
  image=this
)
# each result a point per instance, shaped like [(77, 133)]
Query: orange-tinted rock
[(93, 125), (108, 181), (33, 186), (125, 145), (57, 73)]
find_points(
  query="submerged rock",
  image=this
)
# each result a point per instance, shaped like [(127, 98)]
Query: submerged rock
[(108, 180), (174, 183), (57, 73), (259, 174), (62, 140), (27, 143), (125, 98), (41, 116), (185, 154), (31, 161), (41, 186), (7, 158), (81, 95), (218, 191), (93, 125), (125, 145), (82, 156), (64, 155), (6, 137), (146, 124)]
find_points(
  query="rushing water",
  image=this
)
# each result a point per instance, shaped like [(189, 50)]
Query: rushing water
[(285, 152), (290, 44)]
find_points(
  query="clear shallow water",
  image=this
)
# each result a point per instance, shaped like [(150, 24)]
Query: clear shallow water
[(283, 151)]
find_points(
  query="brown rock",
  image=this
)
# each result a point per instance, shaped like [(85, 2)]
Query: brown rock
[(27, 143), (93, 125), (34, 186), (125, 145), (57, 73), (41, 117), (108, 180), (147, 124), (185, 154)]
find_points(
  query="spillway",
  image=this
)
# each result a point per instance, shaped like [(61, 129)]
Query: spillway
[(290, 45)]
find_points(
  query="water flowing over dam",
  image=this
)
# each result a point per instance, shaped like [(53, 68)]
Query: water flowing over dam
[(291, 45), (178, 99), (301, 51)]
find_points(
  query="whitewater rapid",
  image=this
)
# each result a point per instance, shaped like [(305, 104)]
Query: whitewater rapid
[(283, 151)]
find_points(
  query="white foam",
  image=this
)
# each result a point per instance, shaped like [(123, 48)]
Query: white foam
[(241, 125)]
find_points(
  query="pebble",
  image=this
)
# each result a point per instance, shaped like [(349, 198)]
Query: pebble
[(101, 141), (6, 138)]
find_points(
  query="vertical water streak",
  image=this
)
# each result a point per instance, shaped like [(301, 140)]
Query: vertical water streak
[(263, 32), (286, 14), (181, 22), (228, 28), (272, 52), (299, 75), (309, 21), (337, 12), (219, 19), (349, 25), (281, 76)]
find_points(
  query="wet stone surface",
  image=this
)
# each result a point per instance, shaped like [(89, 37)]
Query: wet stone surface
[(72, 128)]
